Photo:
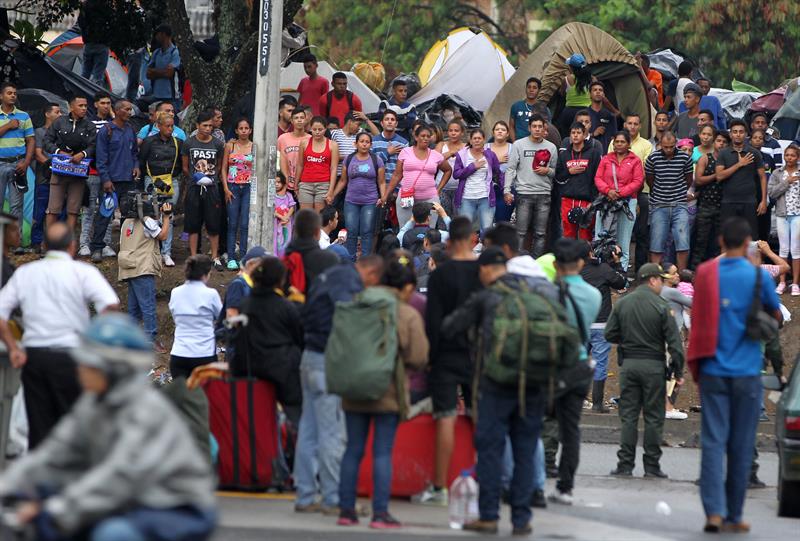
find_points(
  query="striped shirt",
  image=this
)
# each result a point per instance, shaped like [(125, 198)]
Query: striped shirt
[(669, 185), (380, 146), (12, 143), (347, 145)]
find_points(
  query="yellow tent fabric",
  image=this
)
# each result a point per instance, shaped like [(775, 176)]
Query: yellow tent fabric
[(548, 63)]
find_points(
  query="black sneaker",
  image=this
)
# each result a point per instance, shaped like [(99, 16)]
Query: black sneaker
[(755, 482), (218, 266), (620, 472), (384, 521), (551, 472), (538, 500), (655, 474), (522, 531), (97, 256)]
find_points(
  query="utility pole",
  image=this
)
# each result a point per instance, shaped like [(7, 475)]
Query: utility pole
[(265, 131)]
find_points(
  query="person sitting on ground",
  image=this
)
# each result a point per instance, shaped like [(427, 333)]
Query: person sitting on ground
[(415, 229), (114, 470), (330, 221)]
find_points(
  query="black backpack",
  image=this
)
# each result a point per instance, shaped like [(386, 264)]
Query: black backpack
[(372, 155)]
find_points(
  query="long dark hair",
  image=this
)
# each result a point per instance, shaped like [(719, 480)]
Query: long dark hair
[(583, 78)]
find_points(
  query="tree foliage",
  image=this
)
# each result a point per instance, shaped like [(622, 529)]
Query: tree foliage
[(351, 31)]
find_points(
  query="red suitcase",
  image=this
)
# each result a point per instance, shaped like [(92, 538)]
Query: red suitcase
[(413, 456), (243, 419)]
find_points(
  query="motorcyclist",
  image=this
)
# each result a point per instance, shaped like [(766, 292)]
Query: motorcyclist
[(121, 466)]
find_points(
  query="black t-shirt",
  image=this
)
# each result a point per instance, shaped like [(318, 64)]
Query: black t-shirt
[(738, 188), (205, 157)]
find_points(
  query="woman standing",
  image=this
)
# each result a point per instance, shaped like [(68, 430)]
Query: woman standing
[(316, 168), (364, 177), (576, 91), (475, 168), (194, 307), (448, 149), (709, 195), (619, 177), (415, 173), (501, 147), (159, 159), (784, 189), (236, 177), (387, 412)]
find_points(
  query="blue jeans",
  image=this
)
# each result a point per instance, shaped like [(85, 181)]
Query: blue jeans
[(360, 223), (95, 60), (498, 417), (382, 443), (166, 244), (480, 208), (731, 407), (666, 219), (539, 474), (320, 437), (15, 197), (533, 213), (41, 196), (599, 349), (624, 231), (502, 212), (93, 182), (238, 218), (142, 302)]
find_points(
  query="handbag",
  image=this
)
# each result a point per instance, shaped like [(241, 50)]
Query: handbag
[(760, 325), (406, 196), (163, 183)]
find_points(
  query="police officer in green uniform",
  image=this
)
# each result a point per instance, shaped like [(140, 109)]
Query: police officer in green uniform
[(641, 324)]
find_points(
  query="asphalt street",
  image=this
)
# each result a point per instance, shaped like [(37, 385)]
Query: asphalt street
[(605, 508)]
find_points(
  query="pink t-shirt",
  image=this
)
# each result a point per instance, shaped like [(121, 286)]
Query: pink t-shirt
[(311, 91), (289, 145), (422, 171)]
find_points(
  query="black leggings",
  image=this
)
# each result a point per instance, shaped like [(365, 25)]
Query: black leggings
[(183, 366)]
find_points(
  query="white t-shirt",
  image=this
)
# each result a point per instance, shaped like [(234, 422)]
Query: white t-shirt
[(324, 239), (476, 187), (194, 307)]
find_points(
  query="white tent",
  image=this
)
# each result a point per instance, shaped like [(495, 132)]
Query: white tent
[(293, 73), (469, 65)]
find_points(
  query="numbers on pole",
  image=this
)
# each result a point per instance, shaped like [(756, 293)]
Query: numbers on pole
[(266, 35)]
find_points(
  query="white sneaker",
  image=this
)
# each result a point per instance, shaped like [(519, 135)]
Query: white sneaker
[(168, 262), (430, 496), (85, 251), (564, 498), (676, 414), (108, 251)]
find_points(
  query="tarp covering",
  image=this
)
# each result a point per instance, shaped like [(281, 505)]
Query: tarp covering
[(469, 64), (608, 60), (293, 73), (735, 104), (667, 61), (770, 102)]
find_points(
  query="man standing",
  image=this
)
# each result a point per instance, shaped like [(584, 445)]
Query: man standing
[(17, 143), (656, 93), (575, 170), (94, 21), (448, 287), (685, 124), (771, 145), (289, 148), (72, 135), (41, 194), (388, 143), (55, 294), (118, 166), (604, 123), (286, 109), (585, 117), (163, 67), (103, 115), (151, 129), (676, 86), (398, 102), (641, 324), (531, 169), (346, 138), (662, 127), (339, 101), (726, 363), (669, 174), (709, 102), (522, 110), (737, 167), (313, 86)]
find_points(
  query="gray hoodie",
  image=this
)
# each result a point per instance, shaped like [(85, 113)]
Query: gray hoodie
[(519, 171)]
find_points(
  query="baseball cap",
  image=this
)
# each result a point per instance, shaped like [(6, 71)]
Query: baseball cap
[(492, 255), (252, 253), (576, 60), (649, 270), (108, 204), (692, 87)]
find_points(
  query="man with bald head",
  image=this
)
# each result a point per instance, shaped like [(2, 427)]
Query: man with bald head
[(54, 294), (118, 166)]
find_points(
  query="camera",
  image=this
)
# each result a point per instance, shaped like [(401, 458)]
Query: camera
[(139, 205), (159, 189), (605, 248)]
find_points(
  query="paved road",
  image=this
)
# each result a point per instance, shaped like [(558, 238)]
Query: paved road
[(605, 509)]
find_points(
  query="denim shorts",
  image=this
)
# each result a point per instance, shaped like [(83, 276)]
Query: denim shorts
[(666, 219)]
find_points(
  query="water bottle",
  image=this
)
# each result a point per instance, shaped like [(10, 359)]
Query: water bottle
[(463, 500)]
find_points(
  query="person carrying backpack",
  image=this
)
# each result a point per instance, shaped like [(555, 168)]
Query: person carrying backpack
[(512, 372), (392, 334)]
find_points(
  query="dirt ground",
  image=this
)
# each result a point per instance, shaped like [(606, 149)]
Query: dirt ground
[(173, 277)]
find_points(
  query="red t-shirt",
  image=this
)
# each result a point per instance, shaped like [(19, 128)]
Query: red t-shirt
[(311, 90), (339, 106)]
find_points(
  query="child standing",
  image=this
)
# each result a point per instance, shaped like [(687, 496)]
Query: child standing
[(284, 215)]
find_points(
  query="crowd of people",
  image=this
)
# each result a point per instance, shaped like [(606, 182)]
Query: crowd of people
[(542, 220)]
